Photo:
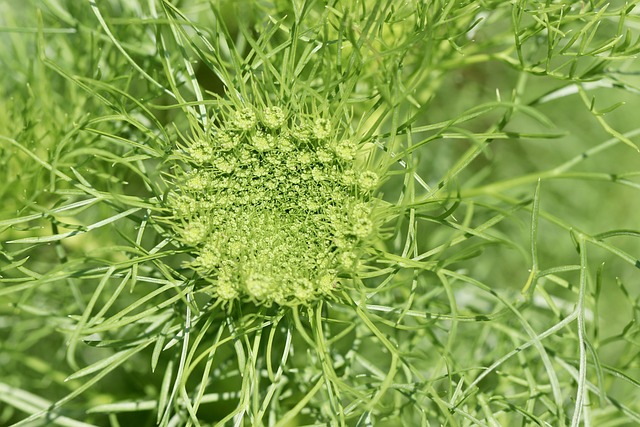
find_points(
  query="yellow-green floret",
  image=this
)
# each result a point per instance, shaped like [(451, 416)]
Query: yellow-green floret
[(273, 209)]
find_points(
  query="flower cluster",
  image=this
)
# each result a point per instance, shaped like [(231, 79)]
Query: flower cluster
[(274, 208)]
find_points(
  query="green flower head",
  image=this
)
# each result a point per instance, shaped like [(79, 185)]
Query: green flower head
[(268, 213)]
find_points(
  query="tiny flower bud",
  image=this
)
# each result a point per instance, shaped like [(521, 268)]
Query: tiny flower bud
[(245, 119), (273, 117)]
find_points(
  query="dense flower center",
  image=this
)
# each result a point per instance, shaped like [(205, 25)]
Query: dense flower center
[(274, 209)]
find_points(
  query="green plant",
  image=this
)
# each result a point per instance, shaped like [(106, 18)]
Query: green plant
[(320, 213)]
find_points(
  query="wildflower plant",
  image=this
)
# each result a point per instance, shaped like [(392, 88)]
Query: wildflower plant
[(345, 213)]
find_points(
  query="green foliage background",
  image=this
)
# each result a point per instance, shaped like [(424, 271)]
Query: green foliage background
[(502, 288)]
